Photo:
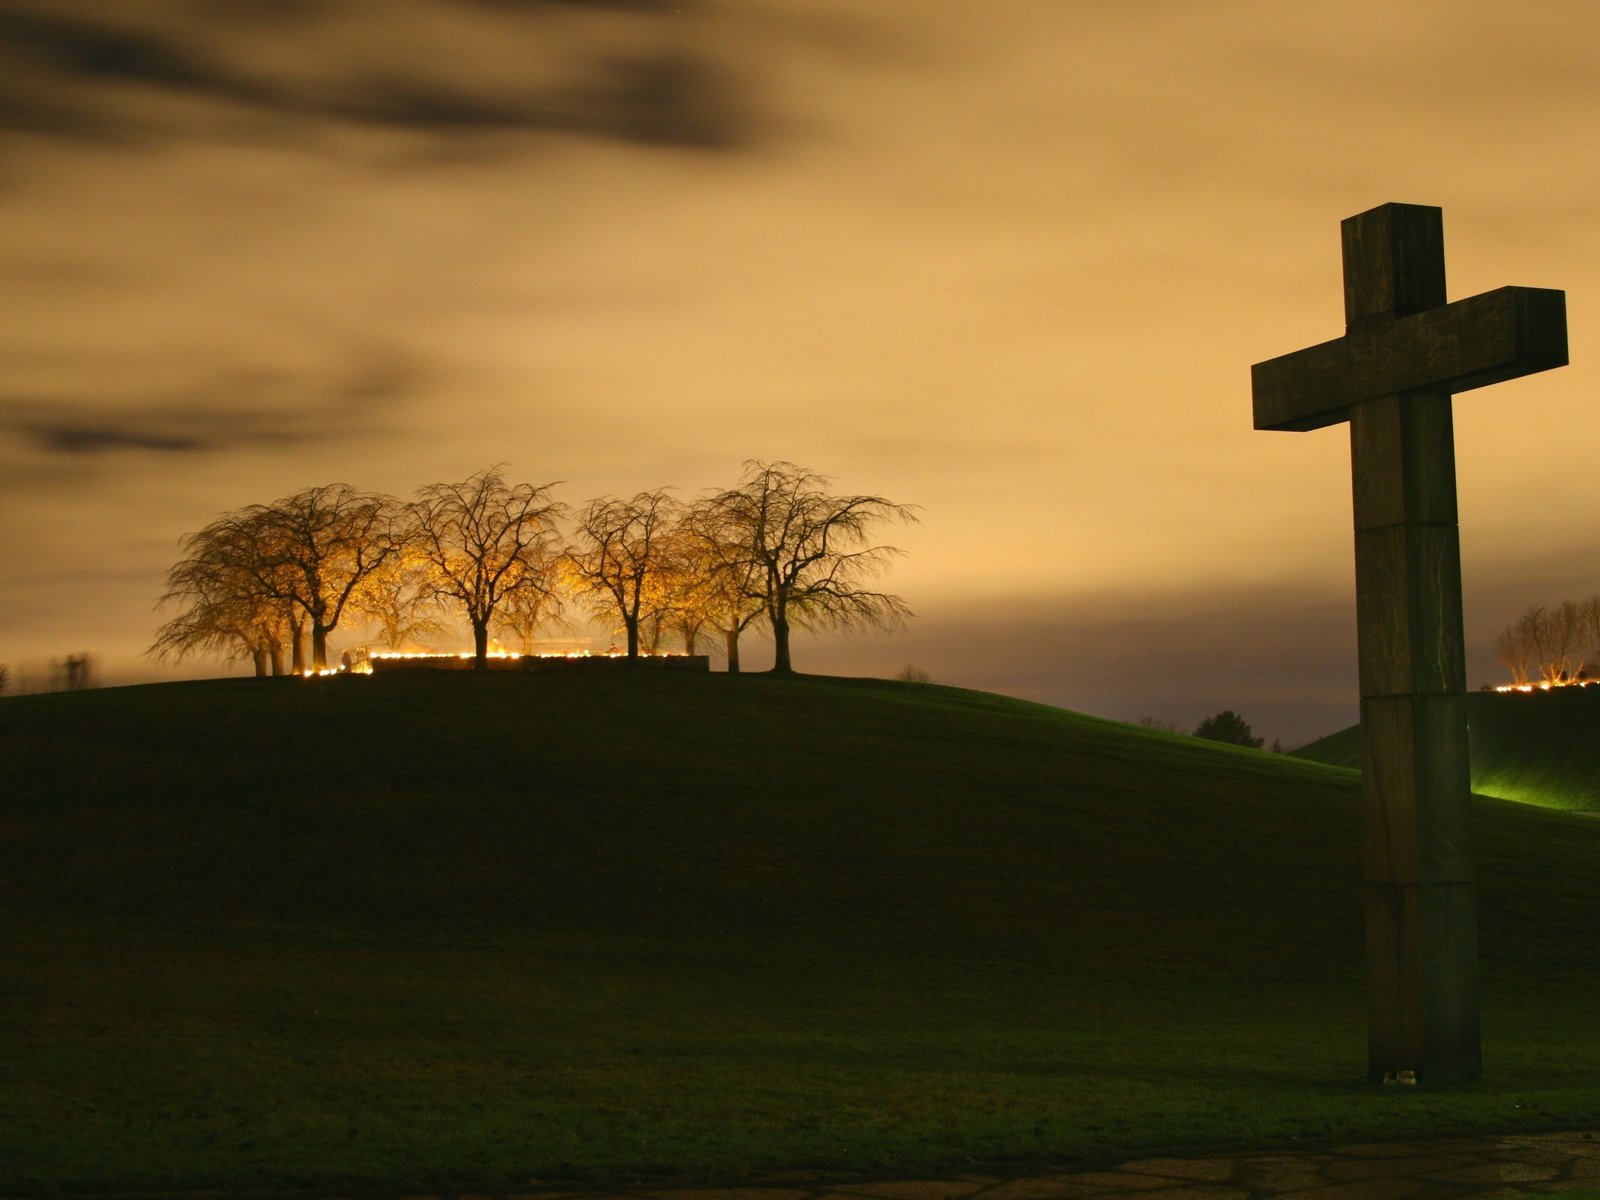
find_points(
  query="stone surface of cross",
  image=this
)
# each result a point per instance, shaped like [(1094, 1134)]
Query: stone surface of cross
[(1404, 353)]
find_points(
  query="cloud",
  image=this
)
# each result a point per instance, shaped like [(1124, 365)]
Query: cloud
[(642, 87), (68, 439), (231, 410), (59, 429), (92, 51), (62, 59)]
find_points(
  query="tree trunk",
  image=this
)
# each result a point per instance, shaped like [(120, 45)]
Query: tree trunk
[(258, 652), (275, 656), (633, 640), (730, 636), (690, 638), (480, 645), (319, 647), (780, 646), (297, 655)]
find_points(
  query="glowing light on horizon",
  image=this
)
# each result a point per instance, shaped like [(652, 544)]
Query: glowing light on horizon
[(362, 665), (1546, 685)]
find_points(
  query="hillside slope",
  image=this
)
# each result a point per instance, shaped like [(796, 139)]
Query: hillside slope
[(432, 928), (577, 804), (1538, 748)]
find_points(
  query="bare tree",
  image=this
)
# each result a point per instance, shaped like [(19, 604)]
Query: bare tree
[(681, 595), (316, 550), (1589, 618), (484, 542), (1556, 637), (1534, 626), (1516, 654), (1572, 639), (809, 551), (1160, 724), (725, 577), (619, 547), (1557, 642), (396, 600), (231, 628), (223, 606), (521, 615)]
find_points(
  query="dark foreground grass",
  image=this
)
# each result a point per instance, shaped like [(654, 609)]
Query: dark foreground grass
[(447, 929), (1538, 748)]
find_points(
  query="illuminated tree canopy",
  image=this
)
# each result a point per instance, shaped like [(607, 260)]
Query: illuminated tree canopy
[(780, 549), (483, 543), (805, 552), (620, 550), (1551, 646)]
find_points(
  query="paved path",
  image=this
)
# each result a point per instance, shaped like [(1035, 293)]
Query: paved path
[(1438, 1169)]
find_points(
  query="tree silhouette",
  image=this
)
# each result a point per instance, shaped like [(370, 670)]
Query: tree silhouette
[(1555, 642), (807, 551), (224, 607), (318, 547), (1228, 726), (677, 595), (397, 600), (726, 577), (780, 546), (483, 543), (619, 548)]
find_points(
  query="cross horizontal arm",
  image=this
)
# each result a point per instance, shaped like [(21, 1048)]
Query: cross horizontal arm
[(1483, 339)]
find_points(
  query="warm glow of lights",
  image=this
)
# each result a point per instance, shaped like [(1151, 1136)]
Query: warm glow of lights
[(360, 662), (1546, 685), (466, 654)]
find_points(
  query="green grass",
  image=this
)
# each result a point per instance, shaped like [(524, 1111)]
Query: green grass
[(423, 930), (1539, 748)]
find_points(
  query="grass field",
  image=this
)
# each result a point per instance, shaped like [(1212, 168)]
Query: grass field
[(1539, 748), (424, 930)]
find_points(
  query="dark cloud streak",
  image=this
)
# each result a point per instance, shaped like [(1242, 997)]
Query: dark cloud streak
[(644, 6), (233, 411), (91, 51), (663, 95), (65, 439), (80, 431)]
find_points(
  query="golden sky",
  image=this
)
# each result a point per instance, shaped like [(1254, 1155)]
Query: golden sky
[(1009, 261)]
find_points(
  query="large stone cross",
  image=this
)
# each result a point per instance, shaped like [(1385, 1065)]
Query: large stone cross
[(1404, 352)]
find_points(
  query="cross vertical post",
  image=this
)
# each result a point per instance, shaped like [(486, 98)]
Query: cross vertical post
[(1422, 959), (1404, 353)]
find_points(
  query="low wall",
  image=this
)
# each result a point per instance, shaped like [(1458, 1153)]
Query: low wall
[(532, 662)]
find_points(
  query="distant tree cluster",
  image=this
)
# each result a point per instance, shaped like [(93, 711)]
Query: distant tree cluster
[(1551, 645), (272, 581), (1228, 726)]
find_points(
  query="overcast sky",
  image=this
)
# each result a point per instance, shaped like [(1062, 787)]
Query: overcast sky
[(1009, 261)]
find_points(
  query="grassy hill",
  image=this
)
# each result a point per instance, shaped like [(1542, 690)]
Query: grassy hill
[(1540, 747), (417, 930)]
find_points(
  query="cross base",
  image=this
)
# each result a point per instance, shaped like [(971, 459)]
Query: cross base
[(1422, 983)]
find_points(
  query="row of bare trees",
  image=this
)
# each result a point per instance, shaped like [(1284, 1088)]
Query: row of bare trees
[(779, 547), (1551, 645)]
